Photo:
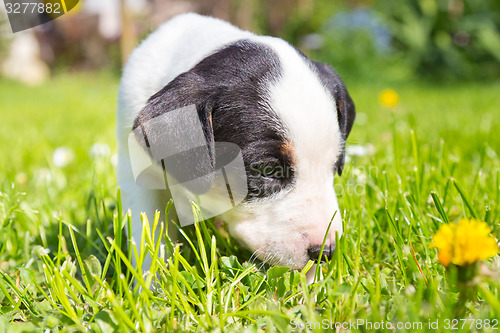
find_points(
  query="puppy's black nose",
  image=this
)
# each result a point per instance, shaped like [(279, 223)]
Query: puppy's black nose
[(314, 251)]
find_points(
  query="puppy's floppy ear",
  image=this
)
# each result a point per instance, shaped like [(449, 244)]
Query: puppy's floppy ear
[(345, 106), (175, 128)]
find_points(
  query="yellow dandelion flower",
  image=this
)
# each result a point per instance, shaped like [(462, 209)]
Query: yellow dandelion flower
[(464, 243), (388, 98)]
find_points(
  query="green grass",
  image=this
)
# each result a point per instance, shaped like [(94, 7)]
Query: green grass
[(64, 261)]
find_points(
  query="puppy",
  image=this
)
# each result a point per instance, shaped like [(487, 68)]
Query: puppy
[(287, 116)]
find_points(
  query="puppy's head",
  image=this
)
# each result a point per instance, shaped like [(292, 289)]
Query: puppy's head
[(290, 118)]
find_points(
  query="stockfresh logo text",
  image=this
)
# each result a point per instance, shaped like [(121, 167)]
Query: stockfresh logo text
[(171, 152)]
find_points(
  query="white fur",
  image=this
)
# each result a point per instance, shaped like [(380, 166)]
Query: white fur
[(281, 228)]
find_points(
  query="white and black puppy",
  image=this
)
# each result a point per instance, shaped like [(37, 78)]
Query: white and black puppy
[(289, 116)]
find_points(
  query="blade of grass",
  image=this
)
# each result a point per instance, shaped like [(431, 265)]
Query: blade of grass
[(439, 207), (80, 261), (464, 198)]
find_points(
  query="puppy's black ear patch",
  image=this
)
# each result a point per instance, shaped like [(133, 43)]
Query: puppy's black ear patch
[(346, 111), (175, 128), (229, 87)]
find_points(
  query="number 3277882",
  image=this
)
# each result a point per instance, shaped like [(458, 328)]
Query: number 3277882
[(33, 7)]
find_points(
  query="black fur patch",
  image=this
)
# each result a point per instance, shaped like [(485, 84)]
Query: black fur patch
[(230, 91)]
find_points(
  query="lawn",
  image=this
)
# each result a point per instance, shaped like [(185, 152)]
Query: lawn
[(64, 263)]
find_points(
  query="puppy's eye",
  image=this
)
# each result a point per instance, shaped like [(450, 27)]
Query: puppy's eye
[(273, 171)]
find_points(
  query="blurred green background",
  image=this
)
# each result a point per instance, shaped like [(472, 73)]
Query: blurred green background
[(445, 40), (59, 81)]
